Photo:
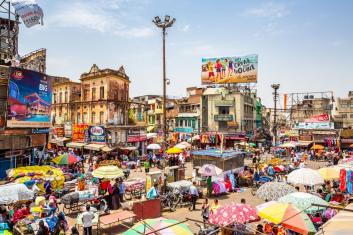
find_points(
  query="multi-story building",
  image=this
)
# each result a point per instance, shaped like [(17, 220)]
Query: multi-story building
[(344, 110), (226, 110), (101, 98)]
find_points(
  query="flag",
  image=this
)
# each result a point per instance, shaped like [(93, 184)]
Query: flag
[(29, 11)]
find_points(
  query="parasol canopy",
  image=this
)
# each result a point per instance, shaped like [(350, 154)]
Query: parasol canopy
[(108, 172), (274, 190), (148, 226), (174, 150), (210, 170), (154, 146), (329, 173), (305, 176), (66, 159), (287, 145), (287, 215), (183, 145), (11, 193), (303, 201), (317, 147), (233, 213)]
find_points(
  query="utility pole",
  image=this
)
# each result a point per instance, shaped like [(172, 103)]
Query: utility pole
[(167, 23), (275, 87)]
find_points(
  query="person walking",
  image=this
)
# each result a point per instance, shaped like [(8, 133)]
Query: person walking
[(121, 190), (87, 218), (146, 164), (205, 210), (194, 195)]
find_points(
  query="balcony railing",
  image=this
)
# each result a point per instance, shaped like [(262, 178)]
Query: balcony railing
[(223, 117)]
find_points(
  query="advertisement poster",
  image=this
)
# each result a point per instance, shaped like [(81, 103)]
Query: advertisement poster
[(225, 70), (68, 129), (29, 11), (29, 100), (319, 118), (96, 134), (58, 132), (78, 132), (314, 125)]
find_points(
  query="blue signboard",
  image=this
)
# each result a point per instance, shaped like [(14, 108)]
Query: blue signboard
[(183, 129), (96, 134)]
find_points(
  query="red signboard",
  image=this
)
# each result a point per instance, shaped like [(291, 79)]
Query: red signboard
[(136, 138), (59, 132), (78, 132), (319, 118)]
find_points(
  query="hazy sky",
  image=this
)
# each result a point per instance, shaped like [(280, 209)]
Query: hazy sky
[(305, 45)]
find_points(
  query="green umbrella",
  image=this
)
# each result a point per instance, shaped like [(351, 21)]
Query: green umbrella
[(252, 144), (150, 225), (303, 201)]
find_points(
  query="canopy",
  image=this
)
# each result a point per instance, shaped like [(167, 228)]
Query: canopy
[(287, 215), (274, 190), (340, 224), (66, 159), (329, 173), (183, 145), (148, 226), (305, 176), (303, 201), (108, 172), (75, 145), (317, 147), (150, 128), (10, 193), (287, 145), (154, 146), (210, 170), (174, 150), (106, 149), (233, 213), (195, 137), (94, 147)]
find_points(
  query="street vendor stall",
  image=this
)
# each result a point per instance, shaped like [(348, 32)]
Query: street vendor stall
[(11, 193), (225, 160), (153, 178)]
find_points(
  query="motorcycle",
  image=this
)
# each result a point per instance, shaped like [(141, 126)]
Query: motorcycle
[(126, 173), (167, 201)]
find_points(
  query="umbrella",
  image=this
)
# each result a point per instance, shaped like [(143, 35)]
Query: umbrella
[(196, 137), (274, 190), (287, 145), (149, 225), (329, 173), (305, 176), (174, 150), (317, 147), (66, 159), (183, 145), (210, 170), (108, 172), (252, 144), (233, 213), (154, 146), (303, 201), (287, 215)]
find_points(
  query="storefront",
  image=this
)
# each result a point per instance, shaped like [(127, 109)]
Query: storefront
[(346, 137), (138, 139)]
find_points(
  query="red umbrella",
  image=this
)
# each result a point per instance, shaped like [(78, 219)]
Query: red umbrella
[(233, 213)]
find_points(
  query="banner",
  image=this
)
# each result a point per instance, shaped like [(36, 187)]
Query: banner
[(68, 129), (319, 118), (314, 125), (29, 99), (29, 11), (96, 134), (78, 132), (58, 132), (224, 70)]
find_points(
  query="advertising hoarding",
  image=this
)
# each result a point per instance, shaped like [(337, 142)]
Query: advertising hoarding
[(314, 125), (78, 132), (224, 70), (319, 118), (68, 129), (30, 98), (96, 134)]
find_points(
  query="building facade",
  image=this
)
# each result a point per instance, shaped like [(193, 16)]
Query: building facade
[(344, 110)]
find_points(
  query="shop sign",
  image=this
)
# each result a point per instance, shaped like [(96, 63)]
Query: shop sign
[(224, 103), (67, 129), (347, 141), (96, 134), (223, 117), (78, 132), (58, 132), (184, 129), (40, 131), (136, 138), (314, 125), (319, 118)]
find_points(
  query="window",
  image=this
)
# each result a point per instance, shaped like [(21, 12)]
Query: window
[(85, 94), (180, 123), (93, 118), (101, 92), (101, 117), (93, 93), (85, 118), (54, 98), (351, 116), (65, 97), (78, 118), (343, 105), (344, 115), (60, 97)]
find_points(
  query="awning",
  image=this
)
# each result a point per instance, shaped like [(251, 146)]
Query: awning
[(59, 141), (150, 128), (95, 147), (106, 149), (303, 143), (75, 145)]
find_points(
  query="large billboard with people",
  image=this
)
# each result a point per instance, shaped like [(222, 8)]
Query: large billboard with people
[(29, 99), (223, 70)]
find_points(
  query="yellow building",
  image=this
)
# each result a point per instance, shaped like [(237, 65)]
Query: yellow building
[(101, 98)]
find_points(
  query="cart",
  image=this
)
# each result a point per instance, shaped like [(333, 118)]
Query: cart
[(74, 201), (134, 188)]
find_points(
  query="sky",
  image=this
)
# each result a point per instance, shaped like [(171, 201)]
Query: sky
[(304, 45)]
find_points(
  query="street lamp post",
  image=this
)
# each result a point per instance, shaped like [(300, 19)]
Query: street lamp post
[(275, 87), (167, 23)]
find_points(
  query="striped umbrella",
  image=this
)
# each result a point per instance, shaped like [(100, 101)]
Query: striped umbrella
[(108, 172), (287, 215), (148, 226), (66, 159)]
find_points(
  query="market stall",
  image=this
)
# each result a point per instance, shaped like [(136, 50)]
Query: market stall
[(11, 193)]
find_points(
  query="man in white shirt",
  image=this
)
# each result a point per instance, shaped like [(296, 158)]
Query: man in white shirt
[(87, 218), (194, 195)]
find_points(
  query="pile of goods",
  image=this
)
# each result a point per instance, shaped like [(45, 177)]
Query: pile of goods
[(109, 163)]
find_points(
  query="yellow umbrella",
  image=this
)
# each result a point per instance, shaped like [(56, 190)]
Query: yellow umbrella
[(317, 147), (174, 150), (329, 173), (108, 172)]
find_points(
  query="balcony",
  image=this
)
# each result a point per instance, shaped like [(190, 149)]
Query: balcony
[(189, 113), (223, 117)]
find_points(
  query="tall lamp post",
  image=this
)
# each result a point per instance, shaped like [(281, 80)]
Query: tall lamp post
[(167, 23), (275, 87)]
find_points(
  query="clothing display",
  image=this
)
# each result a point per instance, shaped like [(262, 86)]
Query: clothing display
[(219, 187), (346, 181), (343, 180)]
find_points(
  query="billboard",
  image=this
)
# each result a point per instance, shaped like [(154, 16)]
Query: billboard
[(224, 70), (319, 118), (96, 134), (29, 99), (29, 11), (78, 132), (314, 125)]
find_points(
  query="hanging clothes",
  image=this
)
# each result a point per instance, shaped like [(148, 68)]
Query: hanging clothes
[(349, 177), (343, 180)]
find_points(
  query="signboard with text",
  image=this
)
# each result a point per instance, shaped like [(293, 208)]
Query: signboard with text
[(78, 132), (96, 134), (314, 125), (319, 118)]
